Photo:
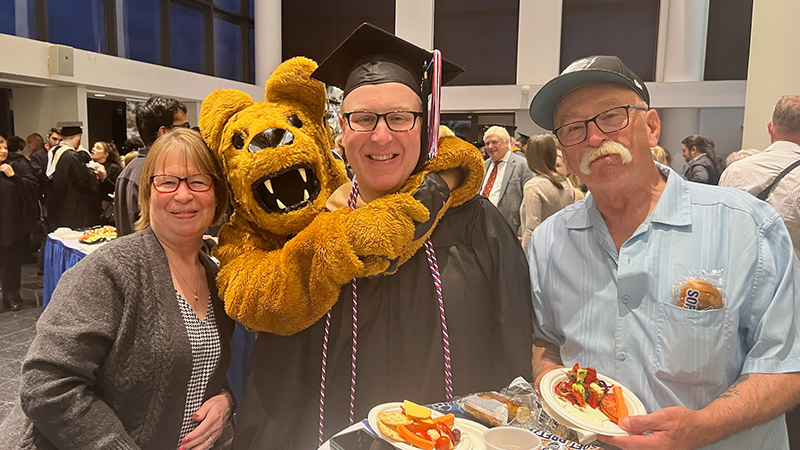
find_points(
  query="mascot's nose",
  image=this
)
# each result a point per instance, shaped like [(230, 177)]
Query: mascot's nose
[(270, 138)]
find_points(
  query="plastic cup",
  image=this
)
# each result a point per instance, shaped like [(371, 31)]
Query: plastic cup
[(510, 438)]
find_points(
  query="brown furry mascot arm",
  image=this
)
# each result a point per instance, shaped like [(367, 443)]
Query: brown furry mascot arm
[(287, 289)]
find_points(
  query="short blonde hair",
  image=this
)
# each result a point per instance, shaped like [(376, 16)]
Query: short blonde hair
[(444, 131), (191, 146)]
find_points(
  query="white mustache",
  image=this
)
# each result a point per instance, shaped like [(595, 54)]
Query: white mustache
[(606, 148)]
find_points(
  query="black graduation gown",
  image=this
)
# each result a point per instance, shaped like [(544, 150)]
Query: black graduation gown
[(71, 193), (19, 208), (487, 297)]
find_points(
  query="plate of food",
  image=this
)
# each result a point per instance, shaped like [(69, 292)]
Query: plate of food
[(588, 402), (98, 235), (410, 426)]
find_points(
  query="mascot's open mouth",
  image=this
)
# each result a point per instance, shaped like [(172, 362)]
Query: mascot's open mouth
[(290, 189)]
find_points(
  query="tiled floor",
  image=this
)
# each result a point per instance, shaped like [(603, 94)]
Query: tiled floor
[(16, 333)]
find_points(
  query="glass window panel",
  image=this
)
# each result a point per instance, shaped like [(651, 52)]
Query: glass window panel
[(728, 39), (252, 8), (187, 38), (252, 78), (142, 23), (479, 36), (230, 5), (78, 23), (625, 28), (227, 49), (18, 18), (313, 29)]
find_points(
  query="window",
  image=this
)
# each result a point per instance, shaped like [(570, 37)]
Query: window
[(18, 18), (314, 29), (728, 39), (227, 49), (142, 30), (230, 5), (252, 56), (187, 37), (78, 23), (624, 28), (479, 36)]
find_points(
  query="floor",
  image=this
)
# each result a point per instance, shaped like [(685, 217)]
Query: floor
[(16, 333)]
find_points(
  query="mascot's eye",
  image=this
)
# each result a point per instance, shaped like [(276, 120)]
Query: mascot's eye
[(295, 121), (238, 141)]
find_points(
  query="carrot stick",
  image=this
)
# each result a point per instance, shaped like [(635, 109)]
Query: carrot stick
[(622, 408)]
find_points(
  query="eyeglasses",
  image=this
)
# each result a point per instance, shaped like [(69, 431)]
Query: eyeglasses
[(363, 121), (608, 121), (166, 184), (180, 125)]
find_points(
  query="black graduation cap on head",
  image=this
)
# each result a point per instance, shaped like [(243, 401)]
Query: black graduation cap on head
[(371, 55), (68, 129)]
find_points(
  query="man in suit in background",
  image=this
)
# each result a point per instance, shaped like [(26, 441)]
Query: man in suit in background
[(506, 175)]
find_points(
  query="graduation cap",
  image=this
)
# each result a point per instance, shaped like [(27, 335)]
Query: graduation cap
[(371, 55), (523, 137), (68, 129)]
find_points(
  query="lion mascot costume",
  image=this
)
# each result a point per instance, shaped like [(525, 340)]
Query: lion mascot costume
[(283, 256)]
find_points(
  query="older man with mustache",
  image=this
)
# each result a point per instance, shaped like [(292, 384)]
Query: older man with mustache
[(604, 270)]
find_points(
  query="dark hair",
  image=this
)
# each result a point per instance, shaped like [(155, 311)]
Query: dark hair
[(15, 144), (112, 155), (541, 156), (703, 145), (131, 144), (155, 113), (53, 131)]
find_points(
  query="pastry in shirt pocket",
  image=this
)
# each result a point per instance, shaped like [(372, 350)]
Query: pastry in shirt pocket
[(700, 294)]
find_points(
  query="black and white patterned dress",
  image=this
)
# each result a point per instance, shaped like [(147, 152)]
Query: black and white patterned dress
[(204, 337)]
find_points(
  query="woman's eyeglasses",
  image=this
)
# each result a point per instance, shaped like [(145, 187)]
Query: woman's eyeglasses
[(166, 184)]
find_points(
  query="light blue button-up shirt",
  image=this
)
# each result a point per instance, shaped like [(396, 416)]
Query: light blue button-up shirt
[(612, 310)]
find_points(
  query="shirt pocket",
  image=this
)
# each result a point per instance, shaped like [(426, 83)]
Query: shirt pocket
[(692, 346)]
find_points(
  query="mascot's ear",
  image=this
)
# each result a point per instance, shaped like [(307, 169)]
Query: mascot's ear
[(292, 82), (217, 109)]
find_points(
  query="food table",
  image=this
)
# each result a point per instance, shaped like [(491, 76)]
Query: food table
[(63, 250)]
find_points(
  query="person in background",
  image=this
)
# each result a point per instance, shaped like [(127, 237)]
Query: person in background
[(603, 274), (738, 156), (154, 117), (16, 145), (702, 164), (54, 138), (107, 166), (132, 350), (38, 156), (69, 184), (20, 210), (506, 175), (546, 193), (662, 155), (561, 168)]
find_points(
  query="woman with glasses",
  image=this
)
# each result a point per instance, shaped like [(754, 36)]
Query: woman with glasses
[(133, 348)]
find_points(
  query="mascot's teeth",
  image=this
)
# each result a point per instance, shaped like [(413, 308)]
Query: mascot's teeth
[(280, 204), (268, 185), (302, 174), (305, 194)]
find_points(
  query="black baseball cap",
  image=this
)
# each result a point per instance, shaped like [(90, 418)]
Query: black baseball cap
[(598, 69)]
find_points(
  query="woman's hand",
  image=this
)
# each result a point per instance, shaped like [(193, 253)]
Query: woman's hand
[(212, 415), (7, 169)]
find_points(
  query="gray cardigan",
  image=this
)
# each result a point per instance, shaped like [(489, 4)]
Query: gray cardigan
[(111, 359)]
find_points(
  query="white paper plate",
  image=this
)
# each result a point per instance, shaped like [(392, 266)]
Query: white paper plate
[(471, 432), (557, 408)]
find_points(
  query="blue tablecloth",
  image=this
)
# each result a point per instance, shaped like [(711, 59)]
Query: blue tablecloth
[(58, 257)]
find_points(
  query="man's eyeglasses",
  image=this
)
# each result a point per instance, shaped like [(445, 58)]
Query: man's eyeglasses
[(180, 125), (363, 121), (608, 121), (166, 184)]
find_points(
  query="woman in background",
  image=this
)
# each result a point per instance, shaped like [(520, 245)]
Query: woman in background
[(107, 165), (133, 348), (546, 193)]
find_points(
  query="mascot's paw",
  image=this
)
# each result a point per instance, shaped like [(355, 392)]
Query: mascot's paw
[(382, 231), (454, 153)]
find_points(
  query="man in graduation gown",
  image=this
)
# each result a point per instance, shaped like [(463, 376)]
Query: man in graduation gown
[(70, 184), (486, 293)]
